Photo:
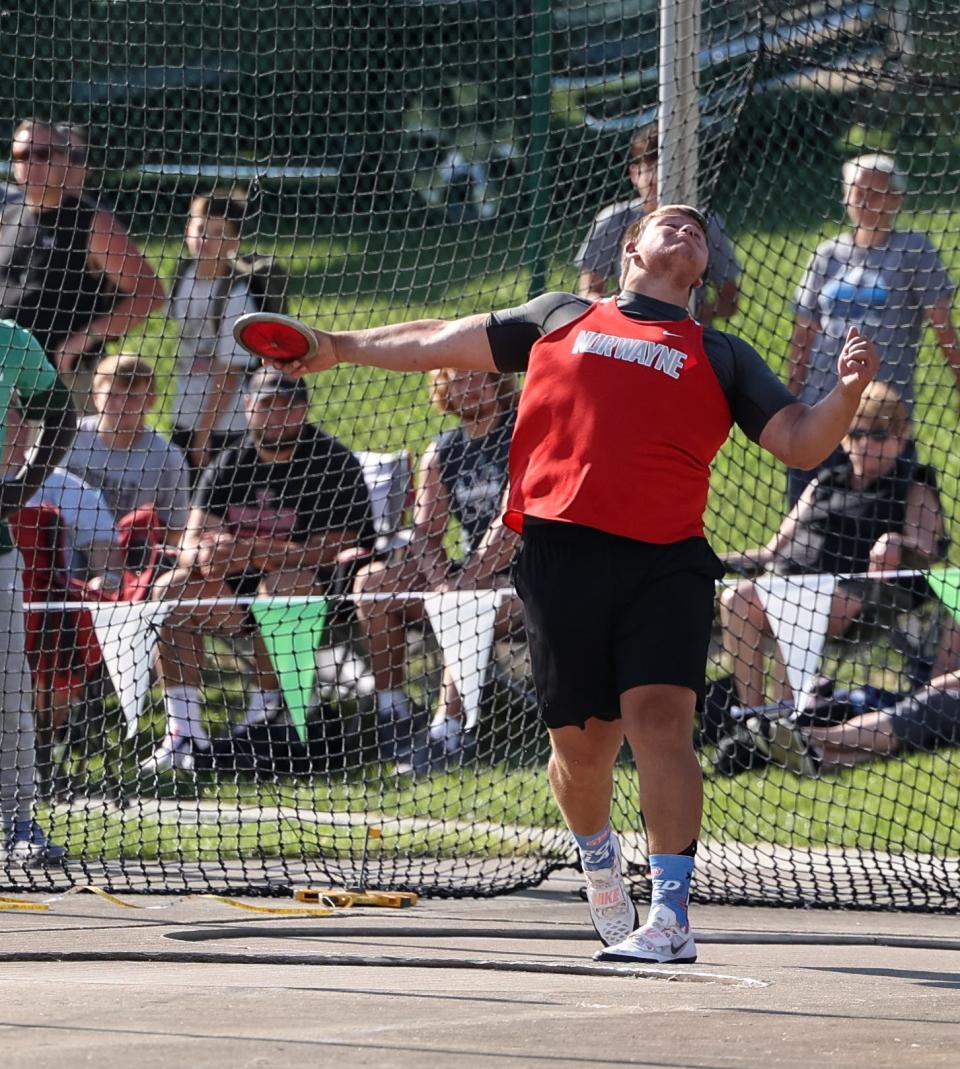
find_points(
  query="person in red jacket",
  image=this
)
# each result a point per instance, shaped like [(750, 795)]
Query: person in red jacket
[(625, 404)]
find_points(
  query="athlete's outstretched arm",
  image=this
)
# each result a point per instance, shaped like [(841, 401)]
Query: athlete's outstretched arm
[(803, 436), (419, 345)]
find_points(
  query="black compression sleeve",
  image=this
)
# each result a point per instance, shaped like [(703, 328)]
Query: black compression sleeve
[(512, 331)]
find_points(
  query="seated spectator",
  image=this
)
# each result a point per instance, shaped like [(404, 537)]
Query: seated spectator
[(877, 510), (270, 516), (88, 527), (121, 455), (134, 466), (88, 540), (924, 720), (463, 477), (209, 294), (600, 256)]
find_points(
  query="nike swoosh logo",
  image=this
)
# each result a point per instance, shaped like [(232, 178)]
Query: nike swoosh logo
[(668, 334)]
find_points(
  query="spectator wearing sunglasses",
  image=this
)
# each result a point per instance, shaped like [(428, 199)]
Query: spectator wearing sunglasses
[(874, 509), (69, 271), (600, 258)]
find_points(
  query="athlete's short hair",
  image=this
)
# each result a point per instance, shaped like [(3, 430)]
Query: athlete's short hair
[(636, 228)]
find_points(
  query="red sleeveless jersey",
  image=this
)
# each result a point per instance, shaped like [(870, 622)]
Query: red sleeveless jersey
[(618, 423)]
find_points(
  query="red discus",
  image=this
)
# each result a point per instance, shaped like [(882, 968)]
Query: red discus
[(272, 336)]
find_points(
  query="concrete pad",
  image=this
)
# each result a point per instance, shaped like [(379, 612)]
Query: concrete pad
[(466, 983)]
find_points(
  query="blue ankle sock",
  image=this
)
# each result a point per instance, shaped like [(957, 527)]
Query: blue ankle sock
[(596, 851), (671, 875)]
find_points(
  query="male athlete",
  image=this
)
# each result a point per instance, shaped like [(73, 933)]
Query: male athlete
[(625, 404)]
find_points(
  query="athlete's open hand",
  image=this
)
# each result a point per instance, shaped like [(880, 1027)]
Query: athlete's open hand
[(857, 363)]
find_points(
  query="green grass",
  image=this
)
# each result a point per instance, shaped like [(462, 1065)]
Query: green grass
[(904, 805)]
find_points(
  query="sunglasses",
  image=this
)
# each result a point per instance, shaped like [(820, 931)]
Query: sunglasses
[(876, 434)]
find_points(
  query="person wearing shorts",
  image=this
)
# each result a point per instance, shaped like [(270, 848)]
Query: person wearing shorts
[(625, 404), (923, 721), (269, 517)]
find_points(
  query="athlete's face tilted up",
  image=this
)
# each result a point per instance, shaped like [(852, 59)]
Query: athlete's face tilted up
[(669, 250)]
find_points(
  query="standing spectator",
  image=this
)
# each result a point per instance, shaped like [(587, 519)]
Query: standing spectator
[(69, 271), (885, 282), (463, 476), (29, 378), (269, 517), (120, 454), (600, 256), (208, 296)]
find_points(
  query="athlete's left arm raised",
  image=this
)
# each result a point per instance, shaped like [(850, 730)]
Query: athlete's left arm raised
[(800, 435), (803, 436)]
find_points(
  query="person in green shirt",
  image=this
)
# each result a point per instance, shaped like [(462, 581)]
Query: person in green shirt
[(27, 378)]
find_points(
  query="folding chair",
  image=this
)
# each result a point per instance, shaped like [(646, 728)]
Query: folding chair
[(61, 644)]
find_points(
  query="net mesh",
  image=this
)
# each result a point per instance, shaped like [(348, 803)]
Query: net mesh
[(318, 682)]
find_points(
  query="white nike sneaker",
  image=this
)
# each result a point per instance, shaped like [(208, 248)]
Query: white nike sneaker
[(613, 913), (660, 941)]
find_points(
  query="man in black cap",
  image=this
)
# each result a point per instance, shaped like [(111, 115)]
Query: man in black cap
[(269, 517)]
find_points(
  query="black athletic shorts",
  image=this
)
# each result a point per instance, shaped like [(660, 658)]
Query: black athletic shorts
[(604, 614)]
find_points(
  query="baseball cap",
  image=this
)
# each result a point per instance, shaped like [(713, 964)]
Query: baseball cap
[(266, 382)]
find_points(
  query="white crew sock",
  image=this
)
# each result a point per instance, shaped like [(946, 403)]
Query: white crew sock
[(262, 707), (393, 705), (183, 714)]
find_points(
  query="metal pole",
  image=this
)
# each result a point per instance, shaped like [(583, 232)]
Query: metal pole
[(679, 113), (537, 187)]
